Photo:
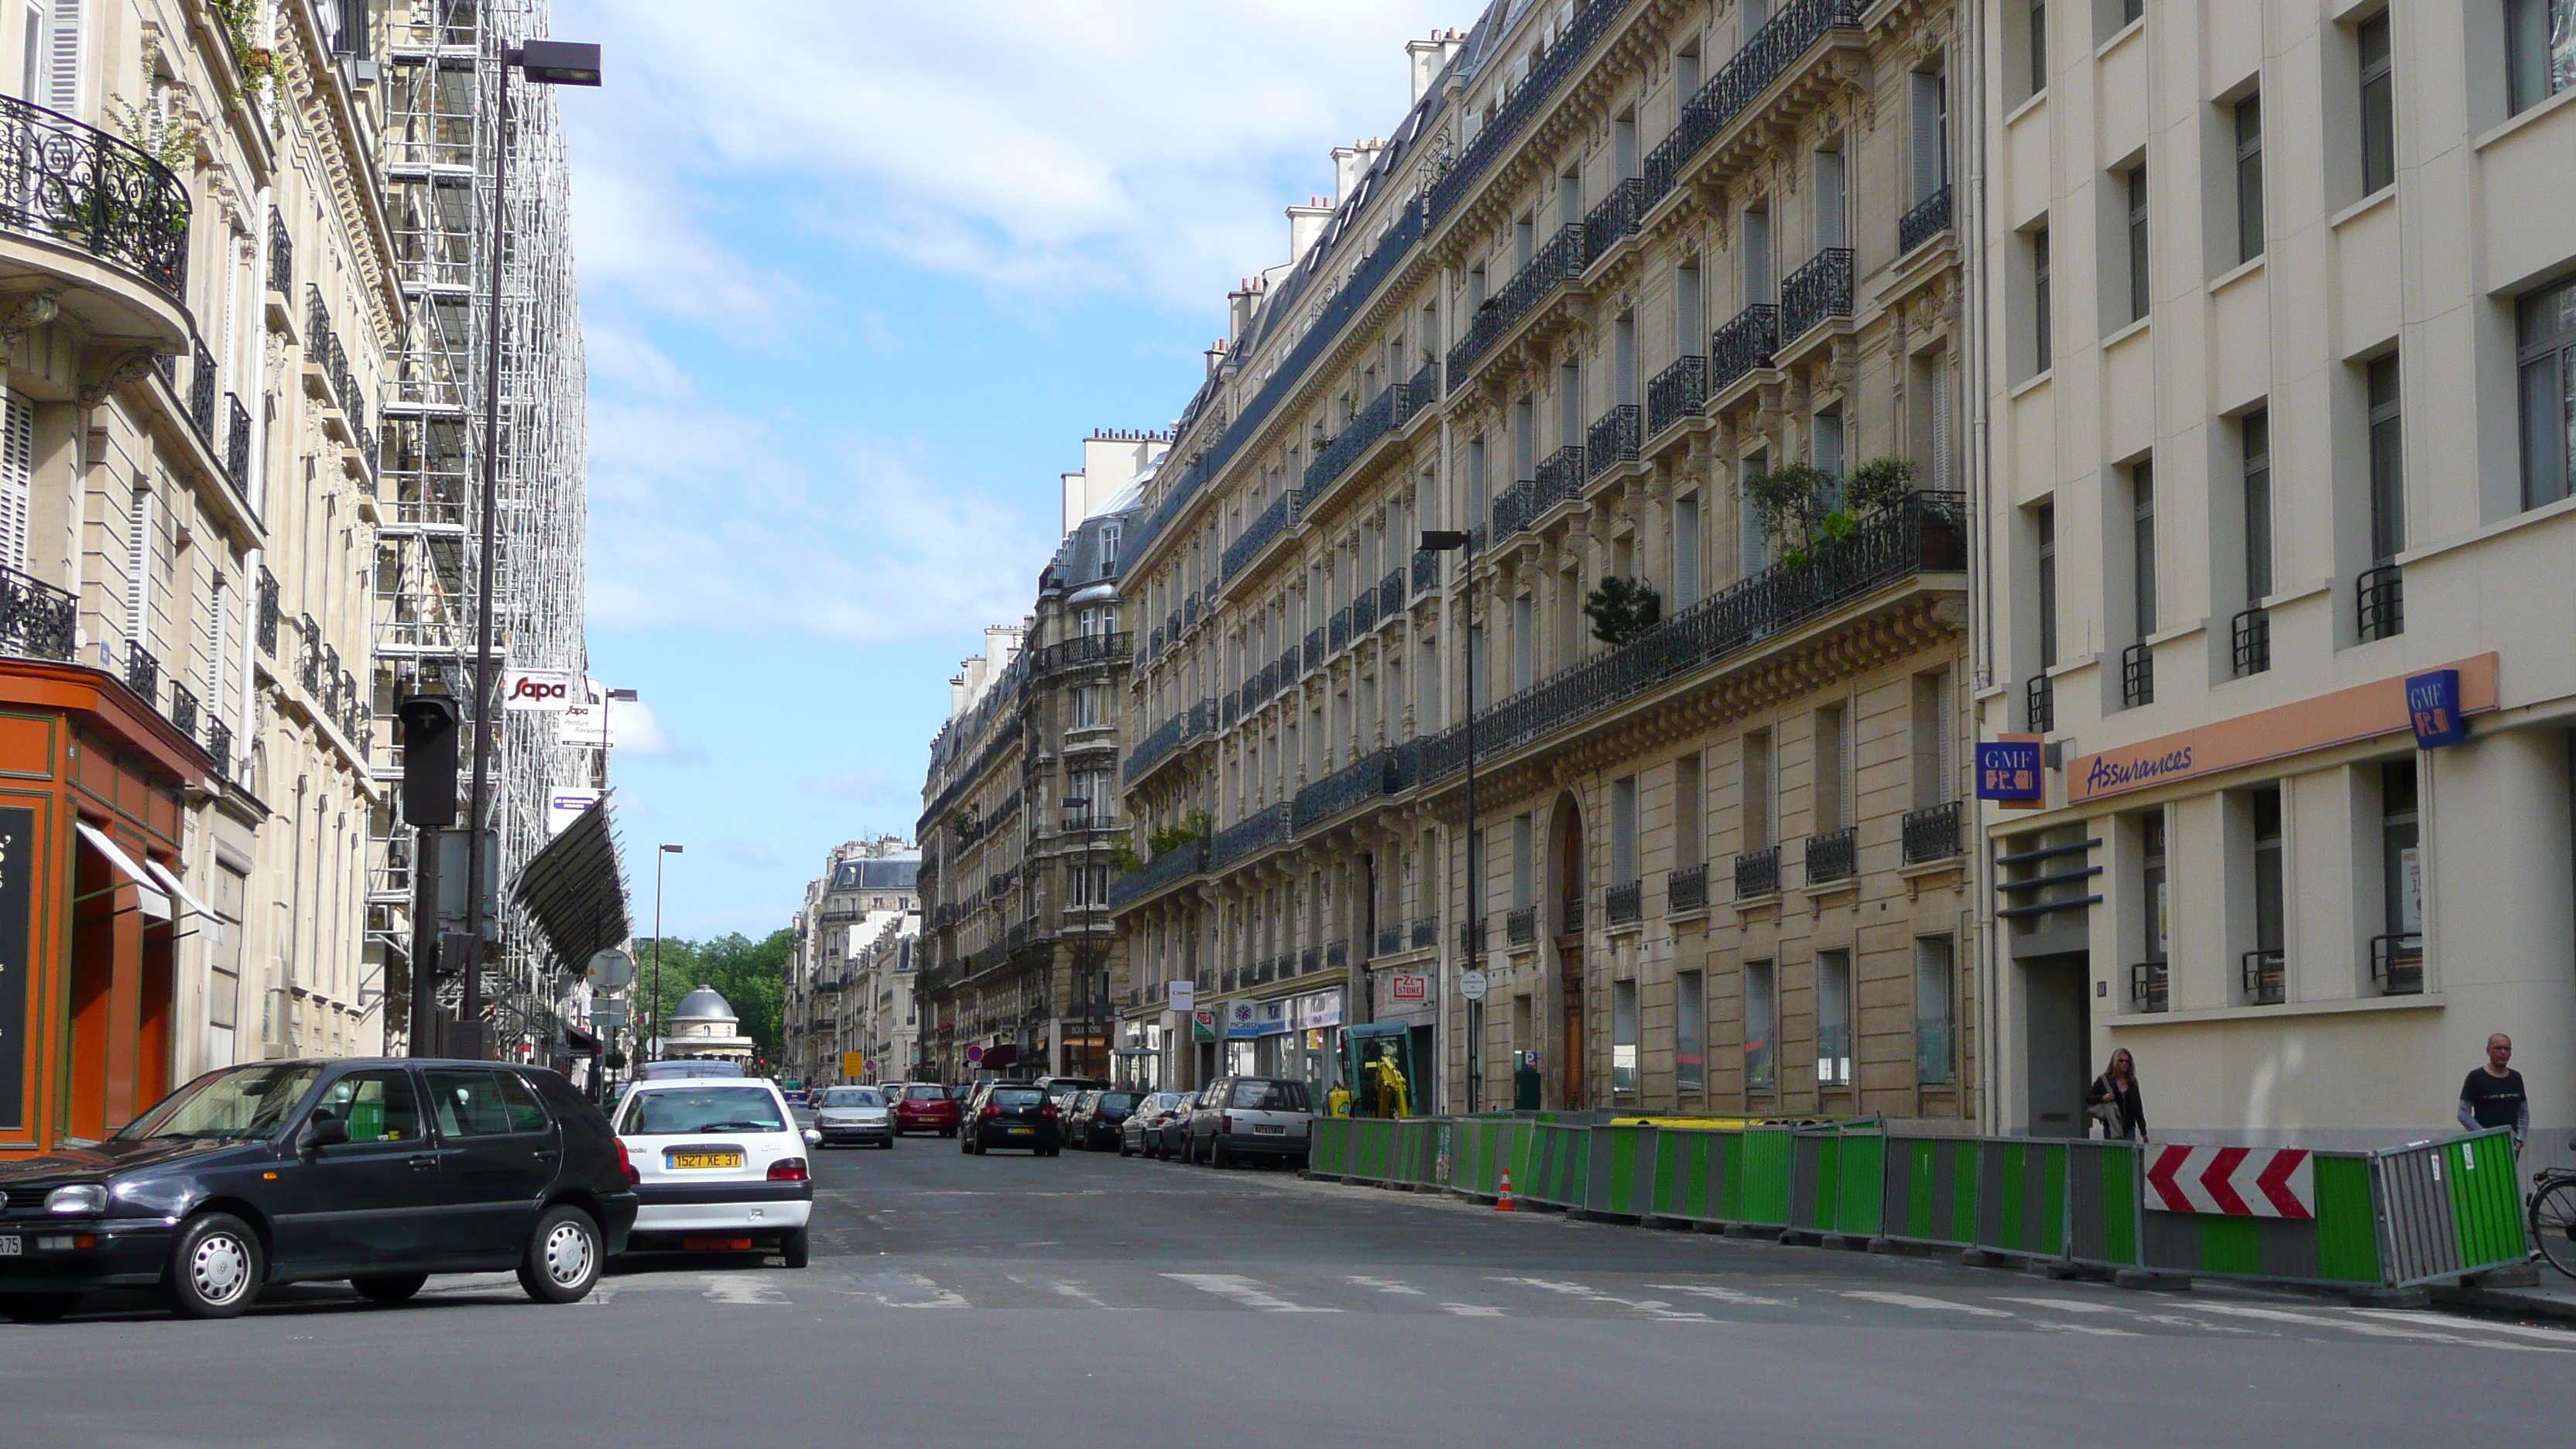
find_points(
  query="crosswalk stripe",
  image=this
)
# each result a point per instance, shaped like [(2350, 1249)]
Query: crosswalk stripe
[(1912, 1300), (2558, 1336), (1722, 1295), (1250, 1292), (1652, 1307), (1386, 1285), (2070, 1305), (2372, 1330), (1472, 1310), (744, 1288)]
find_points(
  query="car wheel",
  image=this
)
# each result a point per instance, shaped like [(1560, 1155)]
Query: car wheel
[(37, 1307), (1218, 1156), (216, 1267), (562, 1261), (796, 1249), (389, 1288)]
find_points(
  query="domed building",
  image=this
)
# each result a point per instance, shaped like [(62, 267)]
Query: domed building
[(703, 1027)]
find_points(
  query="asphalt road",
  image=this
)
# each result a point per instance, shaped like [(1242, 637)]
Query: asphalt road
[(1085, 1300)]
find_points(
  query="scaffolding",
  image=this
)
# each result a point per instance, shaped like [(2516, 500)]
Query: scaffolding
[(443, 72)]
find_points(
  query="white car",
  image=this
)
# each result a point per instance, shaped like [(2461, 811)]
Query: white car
[(853, 1114), (719, 1165)]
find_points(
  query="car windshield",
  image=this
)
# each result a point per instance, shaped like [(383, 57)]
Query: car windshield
[(852, 1097), (242, 1103), (1270, 1096), (1114, 1102), (1015, 1097), (926, 1094), (701, 1109)]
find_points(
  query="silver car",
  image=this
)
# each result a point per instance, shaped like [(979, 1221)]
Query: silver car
[(1240, 1117), (853, 1114)]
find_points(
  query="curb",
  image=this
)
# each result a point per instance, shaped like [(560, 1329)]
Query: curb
[(2507, 1300)]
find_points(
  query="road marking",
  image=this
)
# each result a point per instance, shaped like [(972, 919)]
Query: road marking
[(2373, 1330), (1723, 1295), (746, 1288), (1651, 1307), (1250, 1292), (2095, 1329), (1471, 1310), (2558, 1336), (2071, 1305), (1082, 1295), (906, 1290), (1910, 1300), (1386, 1285)]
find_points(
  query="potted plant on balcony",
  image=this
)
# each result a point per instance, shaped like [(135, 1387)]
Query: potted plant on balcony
[(1622, 608)]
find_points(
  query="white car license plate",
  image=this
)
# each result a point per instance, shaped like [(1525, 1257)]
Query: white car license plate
[(1262, 1127), (9, 1246)]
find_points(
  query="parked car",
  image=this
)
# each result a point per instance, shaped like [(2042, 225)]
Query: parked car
[(1066, 1091), (1172, 1134), (1096, 1120), (1150, 1112), (720, 1165), (683, 1068), (379, 1171), (1249, 1116), (1013, 1114), (924, 1107), (853, 1114)]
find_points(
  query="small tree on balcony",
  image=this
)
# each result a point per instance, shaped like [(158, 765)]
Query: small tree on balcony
[(1622, 608)]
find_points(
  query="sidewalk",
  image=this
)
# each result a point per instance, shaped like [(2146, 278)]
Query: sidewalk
[(2554, 1296)]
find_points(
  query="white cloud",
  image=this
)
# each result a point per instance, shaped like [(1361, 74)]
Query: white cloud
[(639, 734)]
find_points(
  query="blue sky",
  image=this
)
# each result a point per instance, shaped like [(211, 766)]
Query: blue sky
[(849, 309)]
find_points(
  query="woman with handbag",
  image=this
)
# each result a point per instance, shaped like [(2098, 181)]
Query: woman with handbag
[(2114, 1102)]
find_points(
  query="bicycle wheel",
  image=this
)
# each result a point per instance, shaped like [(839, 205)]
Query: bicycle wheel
[(2553, 1224)]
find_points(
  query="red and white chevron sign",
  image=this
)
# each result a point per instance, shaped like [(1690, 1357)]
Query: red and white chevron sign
[(2245, 1182)]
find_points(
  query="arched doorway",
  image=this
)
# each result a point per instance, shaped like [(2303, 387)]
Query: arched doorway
[(1561, 907)]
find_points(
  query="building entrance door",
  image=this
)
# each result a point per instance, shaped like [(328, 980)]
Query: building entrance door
[(1569, 970), (2057, 1050)]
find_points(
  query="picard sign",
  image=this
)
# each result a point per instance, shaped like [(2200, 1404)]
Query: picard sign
[(2365, 711), (17, 900)]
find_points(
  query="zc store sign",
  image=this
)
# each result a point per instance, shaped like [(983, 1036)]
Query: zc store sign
[(549, 690)]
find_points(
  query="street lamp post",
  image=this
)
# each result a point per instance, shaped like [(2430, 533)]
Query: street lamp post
[(1443, 540), (658, 1033), (551, 63)]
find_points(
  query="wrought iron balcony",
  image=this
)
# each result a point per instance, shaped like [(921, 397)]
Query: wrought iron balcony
[(1084, 649), (1623, 903), (183, 709), (2380, 596), (1423, 932), (1471, 935), (1927, 219), (1426, 571), (2039, 704), (1390, 595), (1256, 831), (1514, 507), (2265, 977), (1560, 477), (1614, 219), (1746, 342), (80, 186), (1337, 954), (1390, 940), (1677, 392), (1932, 833), (1190, 611), (1424, 390), (1363, 612), (2252, 637), (1737, 84), (2397, 963), (1226, 711), (219, 745), (37, 620), (237, 441), (269, 613), (1314, 648), (1338, 637), (1347, 788), (1589, 23), (2137, 675), (1310, 961), (281, 256), (1558, 262), (201, 394), (1686, 889), (1820, 289), (143, 675), (1757, 873), (1570, 916), (1833, 855), (1613, 439), (1520, 927), (2150, 985), (1366, 426)]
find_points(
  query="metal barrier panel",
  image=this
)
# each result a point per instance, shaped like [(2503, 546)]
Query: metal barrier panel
[(1726, 1178), (1325, 1148), (1621, 1182), (1932, 1190), (2021, 1196), (1860, 1186), (1682, 1176), (1815, 1162), (1767, 1152), (1550, 1158), (2348, 1216), (2103, 1183), (2321, 1251), (2451, 1207)]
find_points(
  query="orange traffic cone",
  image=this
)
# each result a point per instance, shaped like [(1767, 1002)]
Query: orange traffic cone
[(1503, 1200)]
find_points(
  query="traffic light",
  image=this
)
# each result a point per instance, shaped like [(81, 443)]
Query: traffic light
[(429, 726)]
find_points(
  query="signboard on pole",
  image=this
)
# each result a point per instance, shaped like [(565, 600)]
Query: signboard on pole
[(975, 1056), (584, 725), (563, 807), (2433, 707), (1203, 1024), (609, 970), (549, 690), (1408, 986), (854, 1064), (2008, 772), (1184, 995), (1471, 985)]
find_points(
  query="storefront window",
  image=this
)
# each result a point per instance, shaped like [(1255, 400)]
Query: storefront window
[(1623, 1036), (1690, 1043), (1759, 1075)]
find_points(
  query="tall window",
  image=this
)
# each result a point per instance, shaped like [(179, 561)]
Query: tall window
[(1754, 537), (2142, 545), (1689, 813), (1833, 1019), (2254, 436), (1761, 1000), (17, 478), (1623, 1036), (2401, 868), (1686, 583), (1520, 862), (1690, 1033), (2249, 178), (2540, 49), (1757, 790), (1623, 829), (1831, 230), (1927, 97), (2548, 327), (1757, 255), (2378, 107), (2138, 298), (2047, 520), (2151, 829), (1935, 1052), (1933, 720), (2038, 46), (2271, 914), (2387, 469), (1833, 769), (1690, 318), (2043, 351)]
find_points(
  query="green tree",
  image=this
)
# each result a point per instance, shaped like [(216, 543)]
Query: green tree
[(749, 974)]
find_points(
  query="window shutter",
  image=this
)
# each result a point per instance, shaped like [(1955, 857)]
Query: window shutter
[(17, 479), (1941, 437), (1929, 152), (1830, 230), (63, 58), (138, 549), (215, 640)]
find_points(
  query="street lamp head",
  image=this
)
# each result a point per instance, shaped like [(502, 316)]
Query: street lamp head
[(623, 696), (671, 850), (1441, 540), (558, 62)]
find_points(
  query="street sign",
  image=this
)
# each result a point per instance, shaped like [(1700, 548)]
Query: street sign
[(1184, 995), (548, 690), (610, 970), (854, 1064), (1203, 1024), (1471, 985), (2244, 1182), (975, 1055), (2433, 707), (2008, 770), (608, 1013)]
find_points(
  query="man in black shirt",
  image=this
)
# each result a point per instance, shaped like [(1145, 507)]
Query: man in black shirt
[(2493, 1095)]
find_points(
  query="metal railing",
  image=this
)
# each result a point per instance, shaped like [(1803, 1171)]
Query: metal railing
[(2397, 963), (1085, 649), (1256, 831), (143, 675), (1558, 262), (1746, 342), (1426, 571), (1757, 873), (1833, 855), (1932, 833), (2251, 636), (2380, 596), (269, 613), (1424, 388), (2137, 675), (1382, 415), (1569, 916), (1390, 940), (237, 441), (281, 255), (1922, 222), (2039, 704), (1471, 935), (1677, 392), (1588, 25), (1390, 595), (1520, 927), (1763, 57), (1337, 954), (1314, 649), (1623, 903), (1686, 889), (1423, 932), (1613, 439), (1615, 218), (1513, 509), (201, 395), (37, 620), (183, 709), (1560, 477), (219, 746), (1338, 631), (1820, 289), (1363, 612), (2150, 985), (2265, 977), (79, 185)]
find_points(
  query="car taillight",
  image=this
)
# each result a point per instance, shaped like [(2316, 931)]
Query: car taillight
[(1225, 1123), (992, 1111), (1047, 1110), (787, 1169), (626, 1164)]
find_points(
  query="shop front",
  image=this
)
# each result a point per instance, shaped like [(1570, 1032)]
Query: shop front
[(1411, 998)]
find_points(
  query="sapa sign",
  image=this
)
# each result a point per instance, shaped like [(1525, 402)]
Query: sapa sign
[(549, 690), (584, 725)]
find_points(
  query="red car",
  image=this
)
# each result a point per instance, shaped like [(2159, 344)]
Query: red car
[(925, 1107)]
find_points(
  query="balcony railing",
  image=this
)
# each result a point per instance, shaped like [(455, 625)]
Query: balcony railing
[(281, 256), (2150, 985), (183, 709), (1614, 219), (2380, 596), (1833, 855), (1338, 631), (1514, 507), (1623, 903), (2265, 977), (1589, 24), (1423, 932), (2137, 675), (2252, 631), (1743, 344), (1426, 571), (201, 395), (1085, 649), (219, 746), (1739, 82), (1613, 439), (269, 613), (1345, 789), (1310, 961), (1314, 648), (1820, 289), (2039, 703), (1558, 262), (1363, 612), (1757, 873), (1179, 863), (2397, 963), (1686, 889), (1471, 935), (1932, 833), (1390, 595), (1337, 954), (1424, 388), (37, 620), (1370, 423), (143, 675), (1677, 392), (79, 185), (1927, 219), (1923, 533), (1253, 832), (1569, 916), (1520, 927), (1390, 940), (237, 441), (1560, 477)]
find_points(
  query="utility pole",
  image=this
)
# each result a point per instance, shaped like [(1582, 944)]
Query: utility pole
[(1441, 540)]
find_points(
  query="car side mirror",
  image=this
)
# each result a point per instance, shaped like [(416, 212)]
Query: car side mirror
[(324, 1132), (813, 1137)]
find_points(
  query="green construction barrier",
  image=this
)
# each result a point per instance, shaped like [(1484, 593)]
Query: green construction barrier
[(1559, 1165), (1860, 1185), (2103, 1180), (1931, 1191), (2021, 1196), (1683, 1179), (2338, 1248), (2447, 1208), (1620, 1182), (1815, 1172), (1766, 1168)]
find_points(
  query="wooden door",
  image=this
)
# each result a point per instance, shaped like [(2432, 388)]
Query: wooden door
[(1570, 1091)]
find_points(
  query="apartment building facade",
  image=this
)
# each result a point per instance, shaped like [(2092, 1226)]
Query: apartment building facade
[(2277, 524), (1619, 266), (184, 477), (867, 886)]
